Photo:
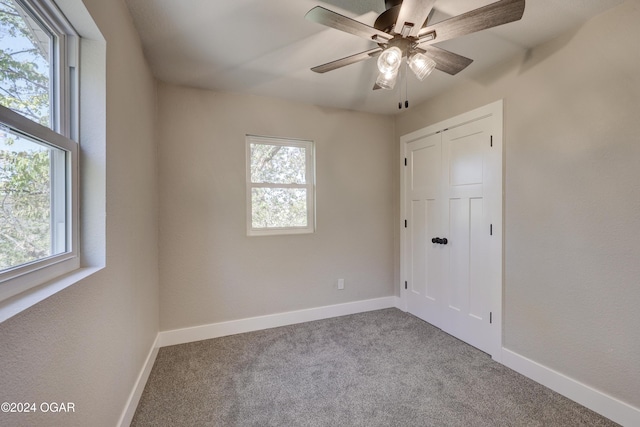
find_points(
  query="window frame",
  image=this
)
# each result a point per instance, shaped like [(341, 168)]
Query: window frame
[(309, 185), (63, 135)]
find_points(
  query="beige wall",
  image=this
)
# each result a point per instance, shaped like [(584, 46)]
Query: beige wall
[(210, 270), (88, 343), (572, 205)]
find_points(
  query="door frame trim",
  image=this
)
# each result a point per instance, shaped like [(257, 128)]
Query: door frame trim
[(495, 110)]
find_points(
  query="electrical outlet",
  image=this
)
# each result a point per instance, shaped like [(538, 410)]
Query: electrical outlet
[(340, 284)]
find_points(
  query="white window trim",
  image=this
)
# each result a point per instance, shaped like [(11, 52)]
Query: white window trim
[(21, 278), (90, 71), (309, 185)]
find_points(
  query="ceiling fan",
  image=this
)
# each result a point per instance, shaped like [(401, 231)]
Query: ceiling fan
[(404, 31)]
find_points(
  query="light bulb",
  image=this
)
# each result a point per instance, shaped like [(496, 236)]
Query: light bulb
[(421, 65), (387, 80), (390, 59)]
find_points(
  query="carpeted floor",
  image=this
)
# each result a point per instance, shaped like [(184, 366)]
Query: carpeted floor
[(381, 368)]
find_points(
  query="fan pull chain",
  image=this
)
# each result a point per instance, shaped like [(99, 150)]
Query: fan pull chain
[(406, 88), (406, 85), (400, 90)]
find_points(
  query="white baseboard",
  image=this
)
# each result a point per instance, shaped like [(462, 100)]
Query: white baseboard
[(610, 407), (215, 330), (138, 388)]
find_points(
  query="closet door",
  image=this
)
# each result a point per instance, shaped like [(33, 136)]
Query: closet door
[(466, 278), (424, 206), (452, 241)]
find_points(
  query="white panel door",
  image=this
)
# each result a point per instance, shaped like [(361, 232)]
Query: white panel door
[(423, 175), (466, 221), (452, 241)]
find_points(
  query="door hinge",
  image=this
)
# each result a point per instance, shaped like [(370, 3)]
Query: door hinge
[(492, 140), (405, 284), (405, 223), (405, 161), (490, 317), (490, 229)]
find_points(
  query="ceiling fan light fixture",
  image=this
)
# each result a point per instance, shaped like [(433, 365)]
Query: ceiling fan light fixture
[(387, 80), (389, 60), (421, 65)]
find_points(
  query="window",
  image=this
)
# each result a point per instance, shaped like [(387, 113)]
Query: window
[(280, 186), (38, 154)]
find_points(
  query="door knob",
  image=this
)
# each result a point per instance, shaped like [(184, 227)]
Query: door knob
[(439, 241)]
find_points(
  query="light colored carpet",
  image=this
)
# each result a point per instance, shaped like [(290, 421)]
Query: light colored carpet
[(382, 368)]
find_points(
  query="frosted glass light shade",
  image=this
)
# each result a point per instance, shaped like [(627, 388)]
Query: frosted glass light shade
[(389, 60), (421, 65), (387, 80)]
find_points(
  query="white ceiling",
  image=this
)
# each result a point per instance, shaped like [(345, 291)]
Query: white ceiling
[(267, 47)]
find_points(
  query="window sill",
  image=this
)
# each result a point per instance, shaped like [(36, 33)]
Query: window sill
[(279, 231), (18, 303)]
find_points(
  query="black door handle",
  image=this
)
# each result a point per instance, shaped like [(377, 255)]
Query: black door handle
[(439, 241)]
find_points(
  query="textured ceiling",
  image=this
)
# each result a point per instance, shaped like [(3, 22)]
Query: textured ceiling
[(267, 47)]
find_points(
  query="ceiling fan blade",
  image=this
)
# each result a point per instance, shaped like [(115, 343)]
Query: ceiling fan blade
[(489, 16), (413, 13), (339, 63), (448, 62), (332, 19)]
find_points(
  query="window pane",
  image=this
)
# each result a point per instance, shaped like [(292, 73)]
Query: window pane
[(278, 164), (25, 64), (279, 207), (32, 183)]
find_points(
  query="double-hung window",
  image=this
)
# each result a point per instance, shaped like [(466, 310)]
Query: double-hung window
[(38, 148), (280, 186)]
